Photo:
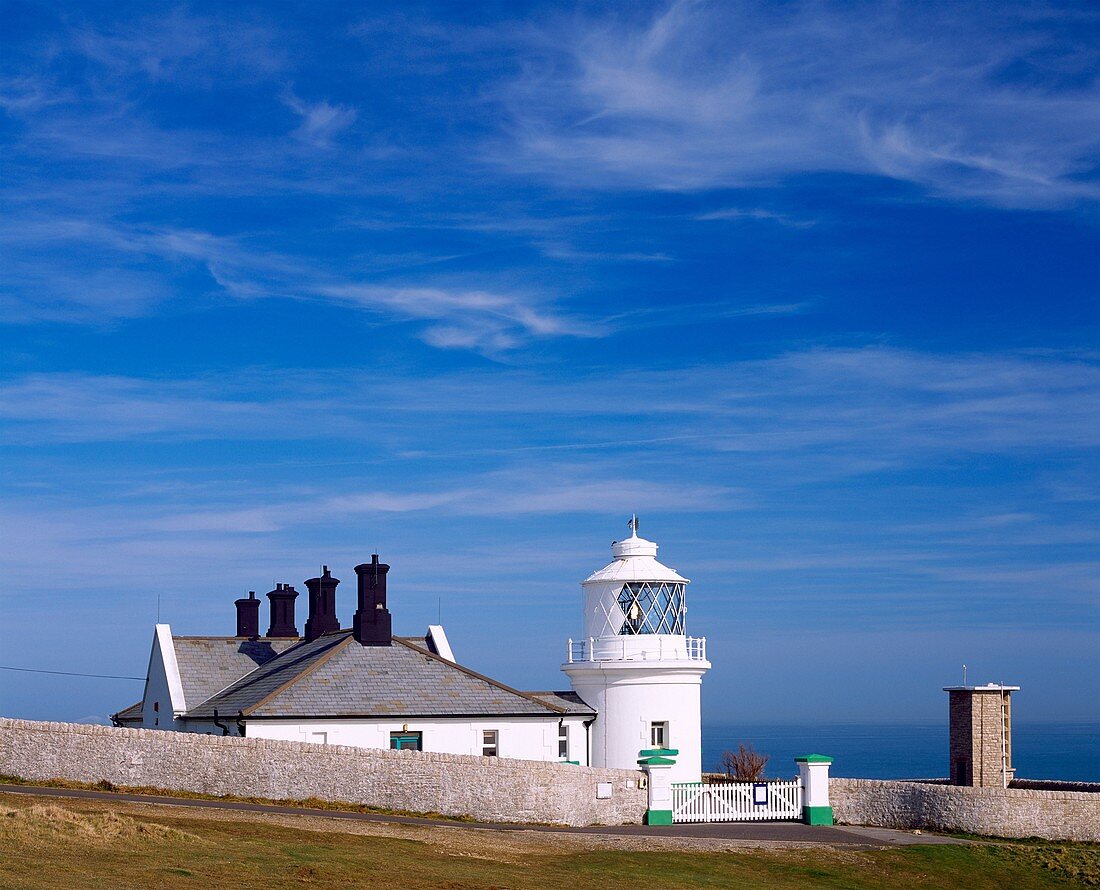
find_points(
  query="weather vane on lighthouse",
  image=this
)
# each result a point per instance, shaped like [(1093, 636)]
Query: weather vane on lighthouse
[(633, 523)]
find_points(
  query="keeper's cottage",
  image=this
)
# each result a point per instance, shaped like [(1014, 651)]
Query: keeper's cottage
[(635, 676)]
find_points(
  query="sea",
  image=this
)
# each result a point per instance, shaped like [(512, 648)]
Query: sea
[(1063, 751)]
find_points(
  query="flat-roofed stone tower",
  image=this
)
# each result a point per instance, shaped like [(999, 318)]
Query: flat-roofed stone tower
[(981, 734)]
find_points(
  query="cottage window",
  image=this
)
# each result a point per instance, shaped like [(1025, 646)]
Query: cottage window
[(490, 743), (563, 742), (407, 741)]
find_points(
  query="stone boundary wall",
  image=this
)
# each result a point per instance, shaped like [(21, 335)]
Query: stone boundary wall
[(996, 812), (486, 788), (1055, 785)]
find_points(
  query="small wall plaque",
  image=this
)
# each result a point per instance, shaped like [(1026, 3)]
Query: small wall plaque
[(603, 790)]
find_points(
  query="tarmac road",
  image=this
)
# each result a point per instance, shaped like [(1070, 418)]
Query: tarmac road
[(783, 832)]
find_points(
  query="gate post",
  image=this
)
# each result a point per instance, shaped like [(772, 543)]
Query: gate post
[(814, 772), (657, 762)]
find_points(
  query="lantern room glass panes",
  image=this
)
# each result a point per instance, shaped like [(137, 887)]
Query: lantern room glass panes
[(652, 607)]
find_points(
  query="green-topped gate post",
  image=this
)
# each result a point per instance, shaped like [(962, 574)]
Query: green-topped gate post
[(814, 772), (656, 762)]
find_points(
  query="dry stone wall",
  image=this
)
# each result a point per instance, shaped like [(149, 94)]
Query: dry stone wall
[(1055, 785), (486, 788), (997, 812)]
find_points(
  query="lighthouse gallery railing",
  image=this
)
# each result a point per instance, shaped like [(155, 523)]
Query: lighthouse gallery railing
[(625, 648)]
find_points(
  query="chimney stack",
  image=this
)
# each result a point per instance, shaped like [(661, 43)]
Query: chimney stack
[(372, 625), (282, 611), (248, 616), (322, 605)]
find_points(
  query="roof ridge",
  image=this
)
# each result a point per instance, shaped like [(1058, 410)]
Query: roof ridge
[(325, 656), (138, 704), (284, 657), (293, 643), (482, 677)]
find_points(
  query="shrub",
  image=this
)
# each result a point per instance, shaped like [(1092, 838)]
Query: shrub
[(744, 764)]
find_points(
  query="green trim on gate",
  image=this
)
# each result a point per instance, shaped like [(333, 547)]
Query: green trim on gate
[(813, 758), (658, 817), (817, 815)]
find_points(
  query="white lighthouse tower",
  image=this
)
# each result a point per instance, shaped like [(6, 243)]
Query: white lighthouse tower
[(635, 665)]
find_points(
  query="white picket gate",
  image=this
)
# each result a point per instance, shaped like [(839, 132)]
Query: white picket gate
[(736, 801)]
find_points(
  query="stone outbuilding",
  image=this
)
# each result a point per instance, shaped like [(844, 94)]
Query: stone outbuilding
[(981, 735)]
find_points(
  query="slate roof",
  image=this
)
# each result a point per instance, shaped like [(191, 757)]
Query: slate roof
[(422, 642), (334, 676), (131, 714), (208, 664), (570, 701)]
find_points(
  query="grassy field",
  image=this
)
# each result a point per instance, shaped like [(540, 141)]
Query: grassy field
[(108, 845)]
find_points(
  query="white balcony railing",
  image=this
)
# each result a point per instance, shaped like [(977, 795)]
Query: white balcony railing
[(641, 647)]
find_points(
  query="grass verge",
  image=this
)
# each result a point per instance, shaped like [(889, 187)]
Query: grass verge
[(77, 844), (311, 803)]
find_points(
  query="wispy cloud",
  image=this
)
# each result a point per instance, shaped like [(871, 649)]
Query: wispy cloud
[(179, 46), (321, 122), (850, 410), (756, 214), (490, 322), (133, 408), (24, 93), (704, 95), (484, 321), (556, 489), (564, 251)]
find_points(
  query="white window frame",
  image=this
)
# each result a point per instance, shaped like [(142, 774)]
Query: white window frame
[(563, 741), (490, 743), (658, 729)]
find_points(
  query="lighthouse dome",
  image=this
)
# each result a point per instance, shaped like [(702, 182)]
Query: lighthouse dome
[(635, 559), (634, 595)]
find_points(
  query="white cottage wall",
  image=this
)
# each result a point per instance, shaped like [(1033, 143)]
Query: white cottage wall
[(520, 738), (163, 697)]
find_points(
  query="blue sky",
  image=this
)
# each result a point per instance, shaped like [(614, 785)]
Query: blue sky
[(809, 287)]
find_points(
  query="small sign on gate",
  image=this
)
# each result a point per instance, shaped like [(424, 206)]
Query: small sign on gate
[(759, 794)]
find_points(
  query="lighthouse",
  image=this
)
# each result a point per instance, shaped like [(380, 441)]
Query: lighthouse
[(635, 665)]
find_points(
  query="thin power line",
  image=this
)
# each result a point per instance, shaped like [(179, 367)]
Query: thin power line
[(68, 673)]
